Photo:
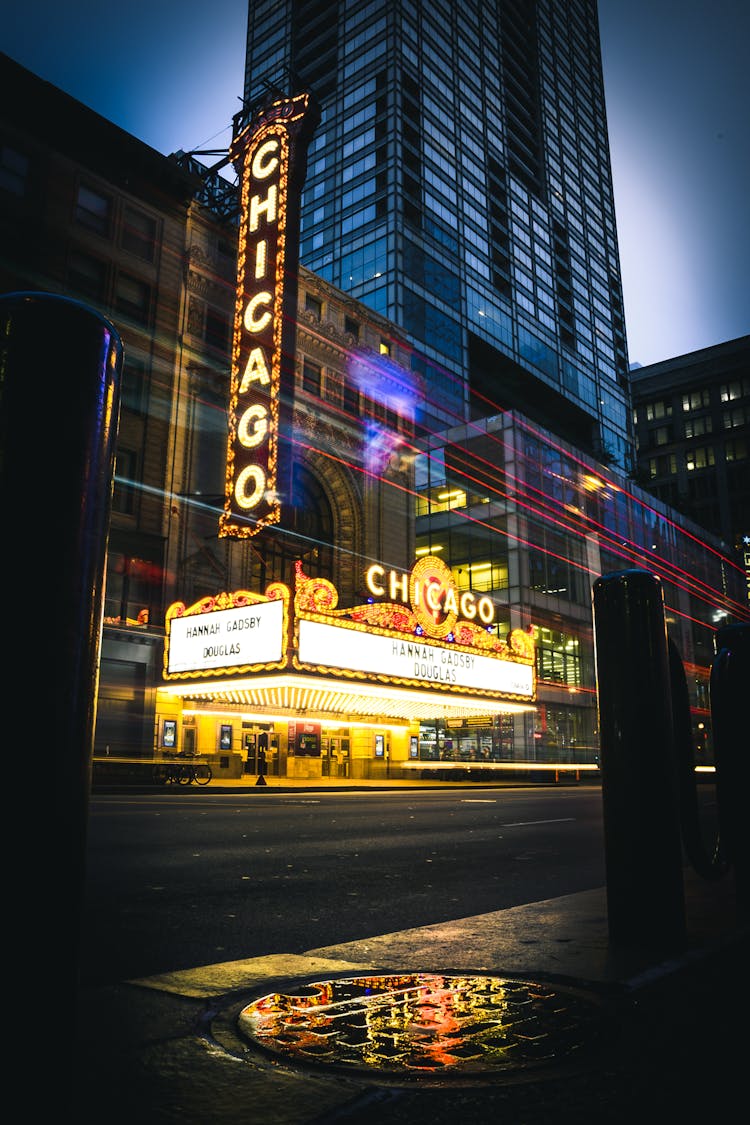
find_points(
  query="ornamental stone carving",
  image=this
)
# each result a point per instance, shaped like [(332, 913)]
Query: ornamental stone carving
[(197, 283), (195, 319)]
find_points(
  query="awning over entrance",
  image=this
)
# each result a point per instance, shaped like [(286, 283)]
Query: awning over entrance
[(327, 698), (404, 660)]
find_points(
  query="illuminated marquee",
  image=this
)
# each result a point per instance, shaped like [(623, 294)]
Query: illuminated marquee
[(394, 641), (270, 158), (426, 636), (411, 661), (233, 633)]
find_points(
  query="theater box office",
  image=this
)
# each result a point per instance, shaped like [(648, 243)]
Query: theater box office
[(331, 691)]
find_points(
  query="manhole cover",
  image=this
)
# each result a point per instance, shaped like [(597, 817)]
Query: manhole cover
[(424, 1023)]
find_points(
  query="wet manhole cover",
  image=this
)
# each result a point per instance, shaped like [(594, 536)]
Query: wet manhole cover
[(424, 1024)]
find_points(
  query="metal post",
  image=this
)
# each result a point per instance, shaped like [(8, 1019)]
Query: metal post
[(730, 682), (262, 748), (60, 367), (643, 853)]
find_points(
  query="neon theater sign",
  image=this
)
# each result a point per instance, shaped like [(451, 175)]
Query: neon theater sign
[(270, 155), (417, 630), (430, 590)]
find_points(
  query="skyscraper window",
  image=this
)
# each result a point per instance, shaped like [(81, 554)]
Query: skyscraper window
[(485, 125)]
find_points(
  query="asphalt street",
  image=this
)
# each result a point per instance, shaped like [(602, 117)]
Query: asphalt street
[(624, 1031)]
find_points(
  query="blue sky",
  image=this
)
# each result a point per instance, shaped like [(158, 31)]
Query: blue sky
[(676, 80)]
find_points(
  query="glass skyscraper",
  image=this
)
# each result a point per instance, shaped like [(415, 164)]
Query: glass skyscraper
[(459, 184)]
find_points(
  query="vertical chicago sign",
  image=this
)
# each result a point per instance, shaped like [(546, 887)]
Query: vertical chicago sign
[(270, 157)]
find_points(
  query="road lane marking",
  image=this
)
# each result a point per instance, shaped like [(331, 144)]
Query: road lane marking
[(525, 823)]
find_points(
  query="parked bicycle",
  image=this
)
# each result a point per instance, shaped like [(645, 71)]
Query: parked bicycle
[(178, 771)]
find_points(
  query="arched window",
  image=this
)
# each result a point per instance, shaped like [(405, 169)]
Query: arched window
[(306, 532)]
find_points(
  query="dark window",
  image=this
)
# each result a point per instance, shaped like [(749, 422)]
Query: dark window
[(139, 234), (209, 445), (351, 326), (311, 377), (435, 326), (351, 399), (736, 450), (313, 305), (123, 496), (87, 276), (217, 329), (93, 210), (311, 523), (133, 298), (431, 274), (132, 588), (334, 388), (134, 380), (14, 170), (375, 408)]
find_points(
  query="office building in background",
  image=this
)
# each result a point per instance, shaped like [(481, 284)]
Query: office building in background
[(692, 423), (459, 183)]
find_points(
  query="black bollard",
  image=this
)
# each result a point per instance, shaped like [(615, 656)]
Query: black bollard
[(729, 685), (643, 850), (60, 363)]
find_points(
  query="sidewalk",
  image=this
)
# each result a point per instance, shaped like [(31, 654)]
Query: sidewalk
[(667, 1033), (247, 782), (113, 772)]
